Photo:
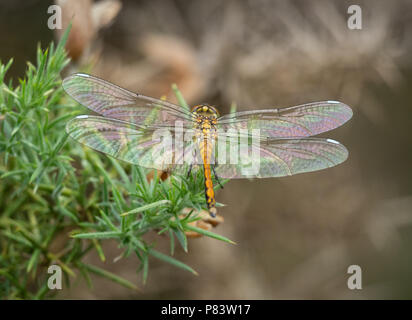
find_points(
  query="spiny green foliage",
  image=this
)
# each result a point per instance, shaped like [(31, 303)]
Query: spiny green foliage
[(58, 200)]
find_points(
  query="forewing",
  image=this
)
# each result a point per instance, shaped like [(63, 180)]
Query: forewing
[(282, 157), (294, 122), (112, 101)]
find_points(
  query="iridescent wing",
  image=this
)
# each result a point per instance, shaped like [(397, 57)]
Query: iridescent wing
[(146, 146), (115, 102), (294, 122), (279, 157)]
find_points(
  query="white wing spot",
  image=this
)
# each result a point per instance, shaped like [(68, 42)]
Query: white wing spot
[(82, 117), (83, 75), (332, 141), (332, 101)]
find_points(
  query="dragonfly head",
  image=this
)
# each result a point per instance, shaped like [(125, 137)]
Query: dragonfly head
[(205, 110)]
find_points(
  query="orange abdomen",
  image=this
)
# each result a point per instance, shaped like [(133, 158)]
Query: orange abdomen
[(206, 151)]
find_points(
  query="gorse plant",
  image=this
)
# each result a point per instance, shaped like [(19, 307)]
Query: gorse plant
[(59, 200)]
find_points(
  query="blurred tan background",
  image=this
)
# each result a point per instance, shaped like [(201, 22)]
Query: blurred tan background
[(296, 236)]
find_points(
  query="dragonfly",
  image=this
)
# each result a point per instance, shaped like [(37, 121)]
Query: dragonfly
[(128, 124)]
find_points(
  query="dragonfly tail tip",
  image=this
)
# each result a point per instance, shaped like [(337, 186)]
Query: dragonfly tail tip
[(213, 212)]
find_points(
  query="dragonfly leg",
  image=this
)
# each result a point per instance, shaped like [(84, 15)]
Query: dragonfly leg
[(217, 177), (189, 171), (191, 165)]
